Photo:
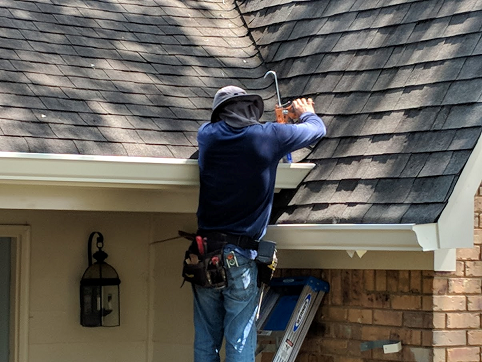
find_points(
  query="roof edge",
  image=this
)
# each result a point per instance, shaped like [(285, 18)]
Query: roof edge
[(119, 171), (456, 225), (355, 237), (360, 238)]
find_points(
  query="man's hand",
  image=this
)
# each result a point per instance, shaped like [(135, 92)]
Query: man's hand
[(302, 105)]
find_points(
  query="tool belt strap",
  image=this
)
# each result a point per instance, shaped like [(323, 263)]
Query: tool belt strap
[(242, 241)]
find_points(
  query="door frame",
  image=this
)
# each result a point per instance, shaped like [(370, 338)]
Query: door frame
[(20, 288)]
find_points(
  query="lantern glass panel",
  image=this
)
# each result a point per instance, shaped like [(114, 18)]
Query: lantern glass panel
[(110, 305), (100, 270), (100, 296)]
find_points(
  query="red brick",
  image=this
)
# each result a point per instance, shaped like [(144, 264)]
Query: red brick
[(407, 302), (449, 338), (336, 288), (427, 285), (380, 280), (474, 302), (439, 320), (449, 303), (387, 318), (416, 339), (463, 320), (334, 346), (376, 300), (439, 354), (478, 237), (464, 354), (404, 281), (465, 285), (336, 314), (478, 205), (427, 303), (474, 338), (440, 286), (473, 268), (353, 349), (459, 269), (346, 282), (469, 253), (369, 279), (415, 281), (413, 319), (363, 316), (373, 333), (427, 338), (356, 287), (428, 320), (401, 334), (392, 280), (346, 331)]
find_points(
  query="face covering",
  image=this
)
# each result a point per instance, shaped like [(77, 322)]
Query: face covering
[(240, 114)]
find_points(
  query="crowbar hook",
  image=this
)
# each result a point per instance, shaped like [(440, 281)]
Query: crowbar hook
[(276, 83)]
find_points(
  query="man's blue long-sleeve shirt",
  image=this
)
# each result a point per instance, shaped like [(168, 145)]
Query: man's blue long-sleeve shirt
[(238, 171)]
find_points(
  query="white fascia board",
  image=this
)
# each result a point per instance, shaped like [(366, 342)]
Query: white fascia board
[(355, 237), (360, 238), (456, 224), (119, 171)]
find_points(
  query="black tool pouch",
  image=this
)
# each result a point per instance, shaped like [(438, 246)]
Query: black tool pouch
[(266, 261), (206, 271)]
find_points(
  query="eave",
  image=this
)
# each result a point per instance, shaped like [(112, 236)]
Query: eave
[(454, 228), (109, 183)]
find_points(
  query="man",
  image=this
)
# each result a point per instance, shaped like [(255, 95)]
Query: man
[(238, 158)]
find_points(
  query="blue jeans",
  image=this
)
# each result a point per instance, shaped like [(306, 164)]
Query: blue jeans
[(229, 312)]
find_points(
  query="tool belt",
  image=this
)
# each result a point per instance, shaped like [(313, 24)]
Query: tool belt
[(217, 240), (204, 263)]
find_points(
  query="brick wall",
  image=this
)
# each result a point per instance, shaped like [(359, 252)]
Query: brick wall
[(436, 315), (370, 305), (457, 300)]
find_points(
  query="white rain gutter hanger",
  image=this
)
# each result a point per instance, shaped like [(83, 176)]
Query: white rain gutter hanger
[(118, 171)]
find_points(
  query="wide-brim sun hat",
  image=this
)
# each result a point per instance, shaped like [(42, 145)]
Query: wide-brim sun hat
[(230, 94)]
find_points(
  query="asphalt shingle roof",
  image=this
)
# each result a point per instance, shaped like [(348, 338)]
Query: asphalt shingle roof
[(398, 83), (118, 77)]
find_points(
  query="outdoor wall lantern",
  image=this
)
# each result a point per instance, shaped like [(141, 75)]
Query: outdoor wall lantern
[(99, 290)]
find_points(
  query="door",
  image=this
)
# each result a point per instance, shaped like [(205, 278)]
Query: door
[(5, 278)]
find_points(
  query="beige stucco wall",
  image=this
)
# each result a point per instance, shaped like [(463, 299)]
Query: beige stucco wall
[(172, 331), (155, 312)]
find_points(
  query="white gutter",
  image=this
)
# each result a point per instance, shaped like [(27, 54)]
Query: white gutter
[(361, 238), (118, 171), (355, 237)]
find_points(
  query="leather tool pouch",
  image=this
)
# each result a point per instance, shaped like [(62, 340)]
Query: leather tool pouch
[(266, 261), (206, 271)]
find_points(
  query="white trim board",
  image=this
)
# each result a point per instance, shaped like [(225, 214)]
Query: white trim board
[(20, 235)]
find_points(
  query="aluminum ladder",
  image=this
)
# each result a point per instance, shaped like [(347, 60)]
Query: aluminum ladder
[(287, 310)]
